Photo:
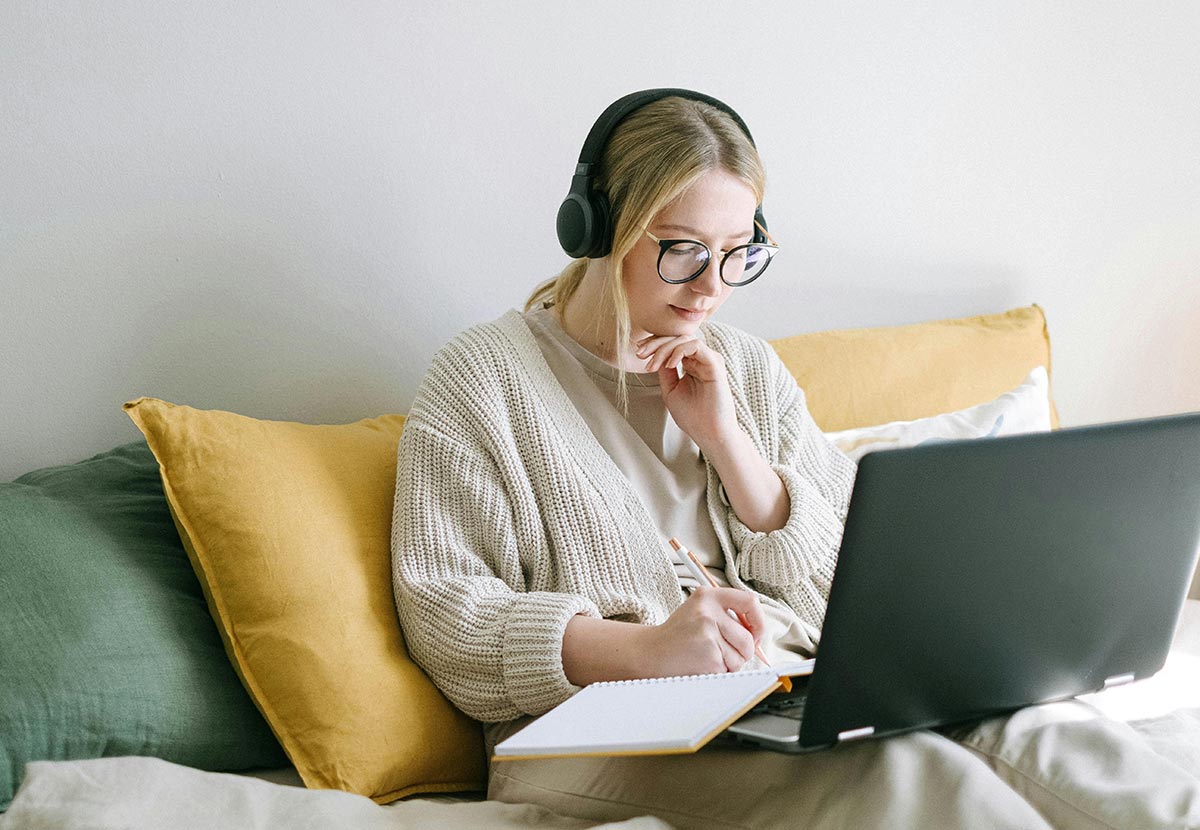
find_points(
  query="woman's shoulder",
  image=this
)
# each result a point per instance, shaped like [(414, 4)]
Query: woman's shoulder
[(484, 347), (480, 362), (474, 375)]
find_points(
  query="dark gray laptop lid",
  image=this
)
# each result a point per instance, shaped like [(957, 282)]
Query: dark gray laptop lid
[(980, 576)]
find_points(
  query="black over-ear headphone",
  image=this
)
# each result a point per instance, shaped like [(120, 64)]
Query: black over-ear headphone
[(584, 222)]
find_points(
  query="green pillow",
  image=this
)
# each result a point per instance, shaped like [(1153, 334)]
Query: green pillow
[(106, 643)]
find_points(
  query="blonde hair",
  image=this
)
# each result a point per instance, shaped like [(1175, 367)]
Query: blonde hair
[(653, 156)]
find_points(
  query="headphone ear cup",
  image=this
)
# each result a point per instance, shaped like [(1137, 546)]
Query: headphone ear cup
[(602, 226), (584, 225), (576, 225)]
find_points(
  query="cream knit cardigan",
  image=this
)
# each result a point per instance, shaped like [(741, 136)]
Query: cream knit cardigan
[(510, 517)]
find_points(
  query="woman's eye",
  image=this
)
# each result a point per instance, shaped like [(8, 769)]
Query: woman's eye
[(686, 249)]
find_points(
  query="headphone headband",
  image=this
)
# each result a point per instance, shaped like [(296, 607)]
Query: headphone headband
[(583, 223), (625, 106)]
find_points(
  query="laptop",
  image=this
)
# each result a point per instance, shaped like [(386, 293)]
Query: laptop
[(980, 576)]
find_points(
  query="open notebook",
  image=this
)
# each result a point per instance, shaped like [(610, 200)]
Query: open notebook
[(658, 716)]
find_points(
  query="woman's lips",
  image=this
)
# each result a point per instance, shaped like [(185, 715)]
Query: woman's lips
[(688, 314)]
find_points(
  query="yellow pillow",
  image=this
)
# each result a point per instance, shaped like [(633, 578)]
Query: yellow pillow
[(289, 530), (863, 377)]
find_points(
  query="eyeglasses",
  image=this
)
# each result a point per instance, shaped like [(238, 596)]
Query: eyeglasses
[(682, 260)]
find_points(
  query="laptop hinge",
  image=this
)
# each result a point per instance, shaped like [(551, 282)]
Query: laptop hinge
[(855, 734), (1118, 680)]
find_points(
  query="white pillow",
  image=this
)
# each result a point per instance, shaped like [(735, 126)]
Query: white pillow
[(1024, 409)]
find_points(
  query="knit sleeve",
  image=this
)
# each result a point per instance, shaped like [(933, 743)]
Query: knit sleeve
[(795, 562), (492, 648)]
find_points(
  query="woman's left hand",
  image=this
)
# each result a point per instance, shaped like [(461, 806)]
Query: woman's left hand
[(700, 400)]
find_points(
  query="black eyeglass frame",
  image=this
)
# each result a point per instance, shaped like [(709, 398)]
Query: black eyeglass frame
[(665, 244)]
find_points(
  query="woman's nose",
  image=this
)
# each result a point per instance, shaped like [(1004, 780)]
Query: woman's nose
[(708, 284)]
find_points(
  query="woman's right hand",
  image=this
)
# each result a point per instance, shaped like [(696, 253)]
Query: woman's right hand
[(701, 637)]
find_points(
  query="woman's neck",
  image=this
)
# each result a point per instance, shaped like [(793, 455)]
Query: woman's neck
[(588, 319)]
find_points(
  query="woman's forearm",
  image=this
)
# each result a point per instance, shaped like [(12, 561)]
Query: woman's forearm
[(595, 650), (755, 491)]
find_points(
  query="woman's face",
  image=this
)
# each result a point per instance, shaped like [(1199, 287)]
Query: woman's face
[(718, 210)]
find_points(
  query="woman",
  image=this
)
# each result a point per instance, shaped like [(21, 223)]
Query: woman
[(551, 455)]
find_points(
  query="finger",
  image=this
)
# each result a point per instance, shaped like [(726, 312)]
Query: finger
[(685, 351), (701, 367), (656, 358), (754, 619), (748, 608), (757, 628), (737, 637), (669, 356), (668, 379), (732, 658), (660, 345), (704, 363), (648, 345)]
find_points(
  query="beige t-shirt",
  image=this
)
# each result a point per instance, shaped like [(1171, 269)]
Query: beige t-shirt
[(661, 462)]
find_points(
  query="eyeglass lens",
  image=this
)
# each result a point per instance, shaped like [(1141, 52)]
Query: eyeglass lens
[(684, 260)]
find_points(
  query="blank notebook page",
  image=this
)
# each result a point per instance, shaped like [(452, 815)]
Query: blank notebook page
[(660, 715)]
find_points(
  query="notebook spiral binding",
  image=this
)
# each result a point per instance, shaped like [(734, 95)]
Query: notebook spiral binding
[(686, 677)]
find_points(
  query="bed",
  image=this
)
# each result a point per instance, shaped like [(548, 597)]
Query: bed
[(199, 630)]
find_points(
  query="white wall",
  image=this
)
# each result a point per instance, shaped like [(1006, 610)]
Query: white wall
[(283, 209)]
